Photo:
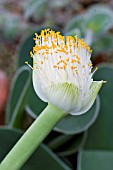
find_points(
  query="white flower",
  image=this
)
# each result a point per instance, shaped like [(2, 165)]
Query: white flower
[(62, 72)]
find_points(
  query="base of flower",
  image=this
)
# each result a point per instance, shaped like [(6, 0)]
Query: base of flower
[(32, 138)]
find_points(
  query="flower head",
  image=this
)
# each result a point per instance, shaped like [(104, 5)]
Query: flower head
[(62, 72)]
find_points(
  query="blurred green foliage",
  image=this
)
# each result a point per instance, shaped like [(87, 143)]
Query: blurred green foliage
[(87, 137)]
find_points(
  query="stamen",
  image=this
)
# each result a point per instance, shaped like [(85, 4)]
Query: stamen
[(52, 50), (26, 62)]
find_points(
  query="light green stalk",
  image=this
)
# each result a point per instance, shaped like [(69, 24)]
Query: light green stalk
[(32, 138)]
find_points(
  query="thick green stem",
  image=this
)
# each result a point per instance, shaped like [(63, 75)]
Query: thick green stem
[(32, 138)]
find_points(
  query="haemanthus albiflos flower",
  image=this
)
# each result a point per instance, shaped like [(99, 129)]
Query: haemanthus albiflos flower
[(62, 72)]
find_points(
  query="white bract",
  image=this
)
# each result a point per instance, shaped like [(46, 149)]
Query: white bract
[(62, 72)]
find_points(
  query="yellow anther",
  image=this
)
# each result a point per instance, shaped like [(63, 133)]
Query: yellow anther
[(77, 57), (46, 58), (90, 65), (70, 50), (53, 45), (36, 34), (78, 48), (35, 62), (42, 33), (78, 62), (31, 53), (96, 68), (57, 33), (83, 66), (75, 44), (64, 67), (36, 67), (73, 61), (76, 71), (55, 66), (41, 62), (73, 67), (45, 40), (48, 29), (26, 62), (67, 59), (64, 62), (59, 62)]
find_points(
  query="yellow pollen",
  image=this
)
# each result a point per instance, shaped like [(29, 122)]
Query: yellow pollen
[(73, 61), (51, 45), (96, 68), (78, 62), (83, 66), (31, 54), (47, 52), (76, 71), (36, 34), (90, 65), (67, 59), (41, 62), (45, 58), (73, 67), (55, 66), (64, 62), (26, 62)]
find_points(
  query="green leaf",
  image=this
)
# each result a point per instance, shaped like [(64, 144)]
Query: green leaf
[(57, 4), (59, 141), (24, 50), (41, 158), (17, 97), (103, 44), (99, 18), (77, 22), (12, 25), (74, 32), (77, 124), (66, 145), (100, 135), (33, 6), (95, 160)]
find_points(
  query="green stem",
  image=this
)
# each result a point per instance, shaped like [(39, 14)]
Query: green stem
[(32, 138)]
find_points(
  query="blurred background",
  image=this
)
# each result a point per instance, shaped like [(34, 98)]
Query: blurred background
[(19, 106)]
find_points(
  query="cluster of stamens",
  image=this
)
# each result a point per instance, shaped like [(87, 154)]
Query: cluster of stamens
[(63, 50)]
